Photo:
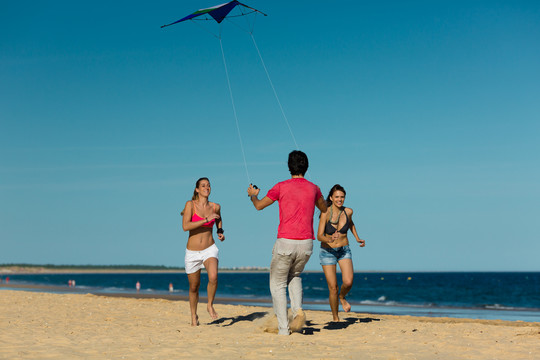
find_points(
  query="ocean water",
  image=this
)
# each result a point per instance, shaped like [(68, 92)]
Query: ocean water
[(478, 295)]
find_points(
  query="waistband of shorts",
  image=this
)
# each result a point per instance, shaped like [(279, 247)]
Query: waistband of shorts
[(294, 241), (200, 251), (344, 247)]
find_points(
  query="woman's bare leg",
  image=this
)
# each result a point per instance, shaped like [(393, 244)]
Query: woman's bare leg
[(194, 280), (347, 274), (331, 280), (211, 266)]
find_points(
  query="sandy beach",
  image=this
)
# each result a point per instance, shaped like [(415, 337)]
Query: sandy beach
[(36, 325)]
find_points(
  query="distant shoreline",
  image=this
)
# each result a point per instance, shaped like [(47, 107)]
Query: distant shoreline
[(6, 270), (28, 269), (58, 289)]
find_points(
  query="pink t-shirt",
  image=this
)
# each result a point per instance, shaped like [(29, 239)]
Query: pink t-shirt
[(297, 198)]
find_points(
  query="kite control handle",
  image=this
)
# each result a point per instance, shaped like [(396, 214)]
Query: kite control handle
[(254, 186)]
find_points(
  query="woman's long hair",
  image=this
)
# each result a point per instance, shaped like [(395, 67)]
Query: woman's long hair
[(195, 193)]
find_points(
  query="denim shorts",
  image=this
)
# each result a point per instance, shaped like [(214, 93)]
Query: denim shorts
[(331, 256)]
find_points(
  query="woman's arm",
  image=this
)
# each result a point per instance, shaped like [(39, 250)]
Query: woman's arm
[(321, 236), (189, 225), (353, 231), (219, 223)]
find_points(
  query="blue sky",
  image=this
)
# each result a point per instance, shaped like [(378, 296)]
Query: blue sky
[(427, 112)]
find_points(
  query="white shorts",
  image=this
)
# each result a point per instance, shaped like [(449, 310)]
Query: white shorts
[(194, 260)]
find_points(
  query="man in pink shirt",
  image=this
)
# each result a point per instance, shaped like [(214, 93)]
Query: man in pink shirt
[(297, 198)]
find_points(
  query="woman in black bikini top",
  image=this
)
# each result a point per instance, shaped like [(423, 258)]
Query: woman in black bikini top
[(332, 233), (331, 229)]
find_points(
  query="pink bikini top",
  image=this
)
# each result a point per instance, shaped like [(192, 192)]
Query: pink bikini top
[(196, 217)]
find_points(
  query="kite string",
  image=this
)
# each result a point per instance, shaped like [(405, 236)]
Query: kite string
[(275, 93), (206, 30), (234, 110)]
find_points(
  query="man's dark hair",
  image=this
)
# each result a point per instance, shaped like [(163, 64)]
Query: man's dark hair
[(298, 163)]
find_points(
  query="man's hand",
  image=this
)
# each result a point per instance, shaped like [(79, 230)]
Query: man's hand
[(252, 191)]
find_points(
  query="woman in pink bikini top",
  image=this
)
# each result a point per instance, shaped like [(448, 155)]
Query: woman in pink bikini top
[(195, 217), (199, 217)]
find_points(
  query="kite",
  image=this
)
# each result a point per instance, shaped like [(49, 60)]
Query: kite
[(218, 12)]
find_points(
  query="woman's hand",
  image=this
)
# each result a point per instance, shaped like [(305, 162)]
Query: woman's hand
[(329, 239), (213, 216), (361, 242), (221, 237)]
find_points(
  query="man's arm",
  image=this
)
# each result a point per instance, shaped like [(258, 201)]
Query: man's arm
[(321, 204), (259, 204)]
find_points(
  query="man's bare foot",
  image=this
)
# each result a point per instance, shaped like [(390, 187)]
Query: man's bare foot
[(195, 321), (297, 324), (213, 314), (345, 304)]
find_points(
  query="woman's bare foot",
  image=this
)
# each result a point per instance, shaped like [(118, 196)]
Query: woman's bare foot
[(195, 320), (213, 314), (345, 304)]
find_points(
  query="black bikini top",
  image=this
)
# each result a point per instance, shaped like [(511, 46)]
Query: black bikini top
[(329, 229)]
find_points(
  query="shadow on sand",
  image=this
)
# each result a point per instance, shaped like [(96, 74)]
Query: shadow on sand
[(311, 328), (234, 320), (339, 325)]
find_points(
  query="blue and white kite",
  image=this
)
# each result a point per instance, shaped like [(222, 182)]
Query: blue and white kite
[(218, 12)]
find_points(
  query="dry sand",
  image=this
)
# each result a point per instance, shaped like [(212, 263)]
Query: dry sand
[(36, 325)]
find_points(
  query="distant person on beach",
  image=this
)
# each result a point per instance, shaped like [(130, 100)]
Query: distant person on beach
[(199, 217), (297, 198), (332, 233)]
